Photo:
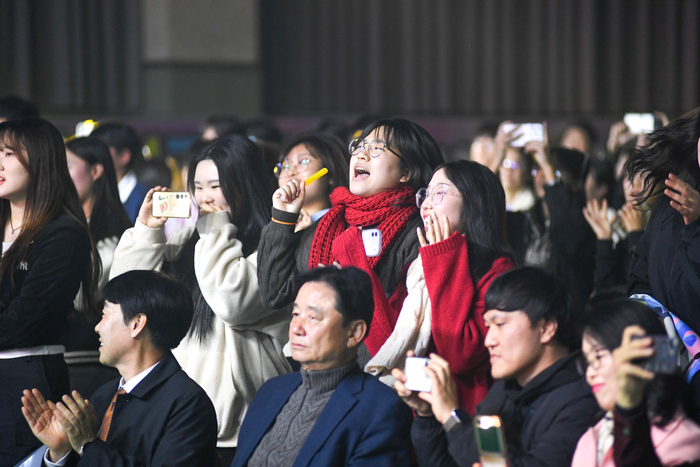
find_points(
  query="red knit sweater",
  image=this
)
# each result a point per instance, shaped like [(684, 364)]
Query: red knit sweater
[(458, 329)]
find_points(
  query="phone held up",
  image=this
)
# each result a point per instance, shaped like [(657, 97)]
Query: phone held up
[(490, 441), (171, 204), (665, 358), (527, 132), (418, 379)]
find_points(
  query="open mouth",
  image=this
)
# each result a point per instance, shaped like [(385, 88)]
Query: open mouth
[(360, 173)]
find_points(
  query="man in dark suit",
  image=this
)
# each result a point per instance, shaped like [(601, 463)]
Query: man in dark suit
[(155, 414), (339, 415)]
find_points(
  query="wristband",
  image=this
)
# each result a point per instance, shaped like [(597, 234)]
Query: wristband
[(452, 422), (283, 223)]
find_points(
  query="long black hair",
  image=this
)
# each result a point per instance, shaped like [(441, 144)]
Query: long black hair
[(108, 217), (51, 193), (606, 323), (482, 215), (670, 149), (248, 189)]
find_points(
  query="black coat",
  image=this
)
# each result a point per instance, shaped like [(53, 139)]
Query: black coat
[(542, 422), (666, 264), (167, 419)]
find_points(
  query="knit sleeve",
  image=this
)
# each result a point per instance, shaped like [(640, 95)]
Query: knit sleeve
[(457, 303), (228, 280)]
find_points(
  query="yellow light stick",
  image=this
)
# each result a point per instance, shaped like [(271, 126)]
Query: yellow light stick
[(315, 176)]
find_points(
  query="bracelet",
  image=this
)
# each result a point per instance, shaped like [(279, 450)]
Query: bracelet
[(283, 223)]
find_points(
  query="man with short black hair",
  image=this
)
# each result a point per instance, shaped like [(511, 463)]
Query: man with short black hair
[(339, 415), (545, 405), (155, 414)]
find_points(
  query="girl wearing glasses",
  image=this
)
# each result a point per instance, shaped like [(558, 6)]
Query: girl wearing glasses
[(234, 343), (516, 180), (464, 248), (390, 161), (305, 156), (668, 399)]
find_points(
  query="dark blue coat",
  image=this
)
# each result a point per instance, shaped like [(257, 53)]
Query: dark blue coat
[(364, 424)]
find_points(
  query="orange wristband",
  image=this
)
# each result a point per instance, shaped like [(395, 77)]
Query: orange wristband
[(283, 223)]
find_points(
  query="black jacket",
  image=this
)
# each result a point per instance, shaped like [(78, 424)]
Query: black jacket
[(167, 419), (612, 264), (35, 308), (542, 422), (666, 264)]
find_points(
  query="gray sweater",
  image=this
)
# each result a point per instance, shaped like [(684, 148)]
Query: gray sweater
[(283, 441)]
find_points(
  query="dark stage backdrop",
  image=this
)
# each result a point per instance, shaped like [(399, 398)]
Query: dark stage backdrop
[(71, 55), (481, 57)]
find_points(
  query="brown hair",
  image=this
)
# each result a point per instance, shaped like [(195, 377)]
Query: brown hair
[(39, 148)]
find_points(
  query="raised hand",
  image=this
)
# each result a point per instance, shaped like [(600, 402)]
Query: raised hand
[(633, 218), (632, 379), (684, 198), (78, 419), (597, 217), (146, 211), (290, 197), (42, 419), (443, 397), (436, 230)]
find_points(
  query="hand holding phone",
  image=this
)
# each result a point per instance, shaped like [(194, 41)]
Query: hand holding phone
[(171, 204), (527, 131)]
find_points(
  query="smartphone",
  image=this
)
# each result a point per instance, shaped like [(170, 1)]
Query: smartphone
[(665, 358), (418, 379), (639, 124), (490, 441), (528, 132), (372, 238), (171, 204)]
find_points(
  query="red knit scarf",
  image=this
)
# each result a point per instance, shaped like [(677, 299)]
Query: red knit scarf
[(389, 211)]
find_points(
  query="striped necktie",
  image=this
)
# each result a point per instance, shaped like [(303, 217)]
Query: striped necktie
[(107, 419)]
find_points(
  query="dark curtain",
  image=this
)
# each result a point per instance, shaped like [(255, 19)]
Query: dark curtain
[(71, 55), (481, 57)]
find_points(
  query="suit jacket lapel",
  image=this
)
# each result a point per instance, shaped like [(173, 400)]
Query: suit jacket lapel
[(267, 414), (342, 400)]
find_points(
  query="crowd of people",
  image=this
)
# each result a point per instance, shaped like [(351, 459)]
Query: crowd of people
[(273, 325)]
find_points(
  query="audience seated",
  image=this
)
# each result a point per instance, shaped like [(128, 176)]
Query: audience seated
[(543, 402), (330, 412), (463, 250), (154, 414), (390, 161), (235, 343)]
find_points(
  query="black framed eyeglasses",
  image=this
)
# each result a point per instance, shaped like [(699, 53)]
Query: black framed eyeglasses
[(374, 149)]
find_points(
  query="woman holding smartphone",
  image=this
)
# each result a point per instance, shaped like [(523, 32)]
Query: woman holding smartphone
[(390, 161), (463, 250), (235, 343), (668, 399), (46, 257)]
